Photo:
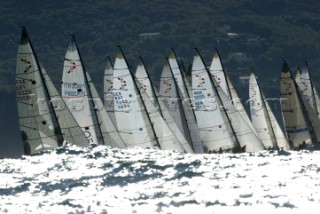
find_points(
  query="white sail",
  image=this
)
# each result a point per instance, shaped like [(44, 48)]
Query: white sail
[(307, 89), (107, 89), (142, 77), (151, 102), (217, 72), (215, 129), (110, 134), (177, 73), (305, 86), (75, 92), (169, 94), (313, 120), (259, 115), (70, 129), (245, 135), (132, 120), (37, 120), (184, 90), (281, 138), (294, 114), (237, 103), (166, 138)]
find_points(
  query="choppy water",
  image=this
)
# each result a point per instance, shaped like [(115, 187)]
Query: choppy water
[(104, 180)]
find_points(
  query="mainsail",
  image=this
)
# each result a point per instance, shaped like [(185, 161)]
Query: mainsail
[(143, 78), (213, 123), (169, 94), (218, 73), (260, 115), (167, 131), (245, 135), (38, 122), (75, 93), (110, 135), (183, 92), (307, 89), (132, 119), (297, 123)]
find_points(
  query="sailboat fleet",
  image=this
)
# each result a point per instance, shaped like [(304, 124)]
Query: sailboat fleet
[(204, 115)]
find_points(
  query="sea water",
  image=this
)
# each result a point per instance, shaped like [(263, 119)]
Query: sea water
[(104, 180)]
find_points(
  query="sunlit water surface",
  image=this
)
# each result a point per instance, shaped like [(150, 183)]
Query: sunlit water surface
[(104, 180)]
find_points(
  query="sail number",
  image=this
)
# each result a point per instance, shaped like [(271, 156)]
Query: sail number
[(198, 99), (73, 89), (23, 94), (120, 101)]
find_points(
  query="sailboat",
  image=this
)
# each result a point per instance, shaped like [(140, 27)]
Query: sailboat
[(38, 120), (263, 118), (75, 92), (133, 122), (217, 72), (169, 94), (297, 123), (215, 129), (84, 102), (239, 120), (162, 120), (307, 89), (183, 91), (69, 127)]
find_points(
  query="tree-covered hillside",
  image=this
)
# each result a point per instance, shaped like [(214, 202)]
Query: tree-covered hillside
[(267, 31)]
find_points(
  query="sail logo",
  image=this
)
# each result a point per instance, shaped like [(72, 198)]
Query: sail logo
[(27, 64), (72, 66), (218, 79)]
